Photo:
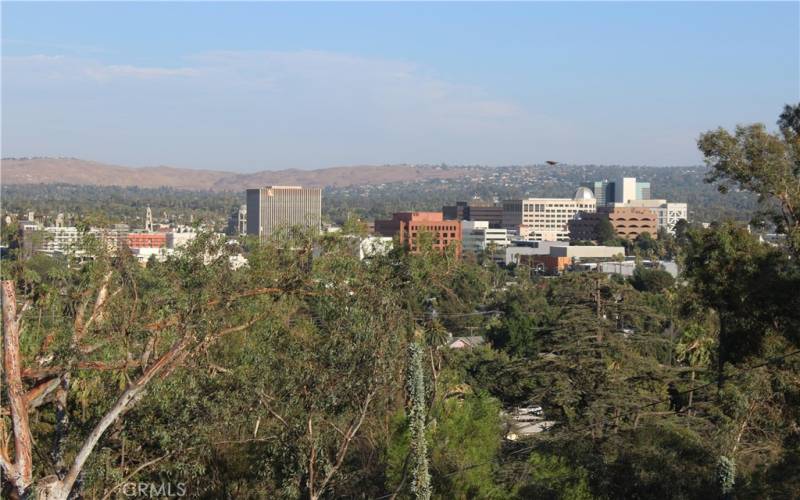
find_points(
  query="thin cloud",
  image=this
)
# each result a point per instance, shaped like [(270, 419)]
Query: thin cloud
[(128, 71), (270, 108)]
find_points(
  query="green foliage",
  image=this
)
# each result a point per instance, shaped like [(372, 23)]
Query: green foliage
[(726, 474), (466, 432), (309, 400), (763, 163), (606, 234), (651, 280), (552, 477), (751, 285)]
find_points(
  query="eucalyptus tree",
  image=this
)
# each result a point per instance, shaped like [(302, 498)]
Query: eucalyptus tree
[(112, 325)]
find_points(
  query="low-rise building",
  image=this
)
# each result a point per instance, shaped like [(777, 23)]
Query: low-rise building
[(477, 236), (667, 213), (475, 210), (178, 239), (628, 223), (144, 254), (147, 240), (560, 257), (410, 228), (522, 249)]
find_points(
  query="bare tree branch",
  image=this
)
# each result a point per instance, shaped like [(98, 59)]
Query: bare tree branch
[(21, 475)]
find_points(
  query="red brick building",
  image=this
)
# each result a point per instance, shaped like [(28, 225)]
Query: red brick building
[(147, 240), (410, 226)]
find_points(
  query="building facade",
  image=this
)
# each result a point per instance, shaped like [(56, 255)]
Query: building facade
[(147, 240), (547, 218), (560, 257), (618, 191), (628, 222), (477, 236), (667, 213), (237, 222), (475, 210), (280, 207), (603, 191), (68, 240), (410, 228)]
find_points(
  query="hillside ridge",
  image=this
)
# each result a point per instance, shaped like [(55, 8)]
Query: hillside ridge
[(92, 173)]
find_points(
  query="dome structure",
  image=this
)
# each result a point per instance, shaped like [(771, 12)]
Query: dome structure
[(583, 193)]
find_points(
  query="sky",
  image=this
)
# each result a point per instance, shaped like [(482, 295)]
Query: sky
[(265, 86)]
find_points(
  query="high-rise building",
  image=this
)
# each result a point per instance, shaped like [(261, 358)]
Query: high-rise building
[(409, 227), (547, 218), (280, 207), (642, 190), (603, 191), (618, 191), (624, 189)]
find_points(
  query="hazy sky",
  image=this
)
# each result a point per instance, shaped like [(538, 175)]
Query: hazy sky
[(251, 86)]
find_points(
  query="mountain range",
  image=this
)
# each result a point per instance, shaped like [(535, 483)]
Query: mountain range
[(84, 172)]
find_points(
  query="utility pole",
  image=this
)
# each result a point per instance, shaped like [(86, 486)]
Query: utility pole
[(598, 304)]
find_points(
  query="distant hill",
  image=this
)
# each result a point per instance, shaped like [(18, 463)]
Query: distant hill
[(84, 172)]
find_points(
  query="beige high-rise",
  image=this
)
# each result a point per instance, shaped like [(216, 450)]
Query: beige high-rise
[(280, 207)]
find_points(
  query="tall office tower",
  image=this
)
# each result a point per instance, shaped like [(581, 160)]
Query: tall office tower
[(274, 207), (642, 190), (625, 190), (603, 191), (618, 191)]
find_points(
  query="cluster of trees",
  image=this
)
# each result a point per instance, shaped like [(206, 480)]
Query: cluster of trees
[(312, 374), (104, 205)]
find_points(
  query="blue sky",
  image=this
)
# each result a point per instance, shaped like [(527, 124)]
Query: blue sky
[(252, 86)]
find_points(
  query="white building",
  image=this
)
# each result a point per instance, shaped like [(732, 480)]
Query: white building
[(144, 254), (560, 249), (547, 218), (178, 239), (59, 240), (477, 236), (625, 190)]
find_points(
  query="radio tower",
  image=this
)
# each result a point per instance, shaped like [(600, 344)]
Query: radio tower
[(148, 223)]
